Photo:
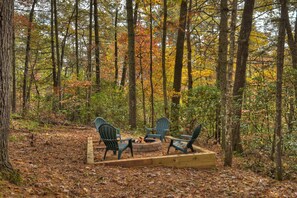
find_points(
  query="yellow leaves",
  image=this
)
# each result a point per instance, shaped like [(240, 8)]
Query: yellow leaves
[(203, 73)]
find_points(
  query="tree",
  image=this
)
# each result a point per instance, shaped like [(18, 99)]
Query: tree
[(89, 67), (228, 107), (279, 73), (54, 65), (131, 55), (116, 49), (189, 47), (6, 55), (164, 35), (76, 40), (28, 49), (151, 67), (221, 71), (97, 49), (13, 98), (58, 63), (178, 66), (240, 73)]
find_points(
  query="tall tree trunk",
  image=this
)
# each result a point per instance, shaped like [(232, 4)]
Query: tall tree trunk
[(189, 47), (57, 55), (142, 85), (55, 82), (13, 98), (76, 41), (240, 73), (151, 67), (279, 74), (6, 53), (229, 106), (116, 67), (97, 49), (131, 50), (164, 35), (221, 71), (28, 49), (124, 71), (292, 42), (63, 44), (89, 67), (178, 67)]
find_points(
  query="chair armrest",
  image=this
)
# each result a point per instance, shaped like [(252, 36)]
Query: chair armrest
[(178, 139), (149, 129), (127, 139), (186, 136)]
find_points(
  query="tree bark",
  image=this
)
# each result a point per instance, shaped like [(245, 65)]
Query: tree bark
[(97, 43), (76, 41), (240, 73), (221, 72), (178, 67), (279, 74), (116, 67), (6, 54), (292, 42), (189, 47), (13, 98), (164, 35), (151, 67), (55, 82), (229, 106), (28, 49), (124, 71), (89, 67), (57, 55), (131, 54)]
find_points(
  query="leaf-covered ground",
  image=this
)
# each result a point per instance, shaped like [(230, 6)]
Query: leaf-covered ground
[(52, 164)]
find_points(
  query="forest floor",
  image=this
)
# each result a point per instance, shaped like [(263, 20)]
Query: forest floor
[(52, 163)]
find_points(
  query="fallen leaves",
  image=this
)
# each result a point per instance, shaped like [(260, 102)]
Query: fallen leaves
[(55, 167)]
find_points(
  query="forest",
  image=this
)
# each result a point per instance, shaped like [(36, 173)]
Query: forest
[(229, 65)]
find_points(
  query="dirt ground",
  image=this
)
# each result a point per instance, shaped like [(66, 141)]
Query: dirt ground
[(52, 164)]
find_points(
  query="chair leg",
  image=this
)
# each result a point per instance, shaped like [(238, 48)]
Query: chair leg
[(131, 147), (171, 143), (105, 154), (192, 149), (114, 152), (119, 154)]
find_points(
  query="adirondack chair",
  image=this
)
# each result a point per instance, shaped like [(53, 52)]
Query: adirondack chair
[(186, 141), (108, 135), (162, 127), (99, 121)]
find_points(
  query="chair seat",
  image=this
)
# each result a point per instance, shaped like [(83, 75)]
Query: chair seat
[(180, 144), (123, 146)]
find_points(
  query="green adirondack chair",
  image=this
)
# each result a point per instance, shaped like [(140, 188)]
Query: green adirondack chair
[(99, 121), (162, 127), (186, 141), (108, 135)]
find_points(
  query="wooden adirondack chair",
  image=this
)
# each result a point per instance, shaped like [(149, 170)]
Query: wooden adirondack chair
[(186, 141), (99, 121), (108, 135), (162, 127)]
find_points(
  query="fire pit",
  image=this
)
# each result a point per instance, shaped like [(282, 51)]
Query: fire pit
[(146, 145)]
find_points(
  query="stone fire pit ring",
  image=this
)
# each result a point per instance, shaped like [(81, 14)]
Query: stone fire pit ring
[(150, 146)]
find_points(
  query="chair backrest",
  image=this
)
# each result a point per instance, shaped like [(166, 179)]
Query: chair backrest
[(195, 134), (98, 122), (108, 135), (162, 123)]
